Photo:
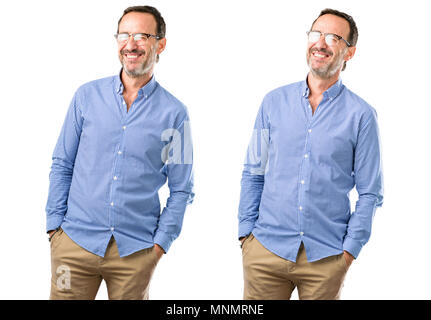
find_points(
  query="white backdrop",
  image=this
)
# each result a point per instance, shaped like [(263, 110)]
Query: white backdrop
[(221, 58)]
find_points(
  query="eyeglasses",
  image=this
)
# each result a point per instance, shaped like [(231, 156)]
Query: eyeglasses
[(331, 39), (140, 38)]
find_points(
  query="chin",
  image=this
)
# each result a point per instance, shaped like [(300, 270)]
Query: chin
[(133, 73)]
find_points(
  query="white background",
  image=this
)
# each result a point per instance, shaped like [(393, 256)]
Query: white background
[(221, 58)]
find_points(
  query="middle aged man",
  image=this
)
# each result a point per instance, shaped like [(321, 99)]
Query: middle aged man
[(123, 137), (314, 141)]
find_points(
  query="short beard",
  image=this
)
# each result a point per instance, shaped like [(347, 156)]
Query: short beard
[(137, 73), (328, 71), (146, 67)]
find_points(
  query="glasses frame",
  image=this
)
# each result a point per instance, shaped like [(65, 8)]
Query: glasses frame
[(332, 34), (147, 36)]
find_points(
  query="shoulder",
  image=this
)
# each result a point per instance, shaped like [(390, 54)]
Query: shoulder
[(363, 112), (284, 91), (282, 96), (358, 104), (169, 101), (95, 86)]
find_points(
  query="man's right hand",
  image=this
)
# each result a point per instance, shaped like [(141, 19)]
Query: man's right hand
[(51, 233)]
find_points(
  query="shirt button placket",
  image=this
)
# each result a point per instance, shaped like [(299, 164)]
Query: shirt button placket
[(115, 176), (303, 174)]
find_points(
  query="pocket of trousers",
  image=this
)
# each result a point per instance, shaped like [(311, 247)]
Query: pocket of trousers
[(154, 255), (55, 238), (245, 245), (343, 261)]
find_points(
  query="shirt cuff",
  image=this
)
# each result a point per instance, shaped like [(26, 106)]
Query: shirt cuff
[(53, 222), (245, 229), (164, 240), (352, 246)]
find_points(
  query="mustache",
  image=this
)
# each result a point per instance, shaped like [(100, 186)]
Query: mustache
[(325, 51), (124, 51)]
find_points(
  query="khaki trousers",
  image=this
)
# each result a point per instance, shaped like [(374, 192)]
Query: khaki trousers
[(77, 273), (270, 277)]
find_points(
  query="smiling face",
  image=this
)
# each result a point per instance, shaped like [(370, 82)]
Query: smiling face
[(138, 60), (326, 61)]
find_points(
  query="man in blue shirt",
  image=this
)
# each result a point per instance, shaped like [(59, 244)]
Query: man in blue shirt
[(313, 141), (123, 137)]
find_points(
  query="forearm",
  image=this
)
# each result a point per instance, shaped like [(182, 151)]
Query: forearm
[(251, 192), (60, 179), (171, 219), (360, 223)]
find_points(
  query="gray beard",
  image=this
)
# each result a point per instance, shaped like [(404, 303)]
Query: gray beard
[(326, 73), (330, 70), (143, 70), (137, 72)]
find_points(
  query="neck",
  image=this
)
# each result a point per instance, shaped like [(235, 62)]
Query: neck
[(319, 85), (133, 84)]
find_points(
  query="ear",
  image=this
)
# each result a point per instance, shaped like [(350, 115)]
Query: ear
[(161, 45), (350, 53)]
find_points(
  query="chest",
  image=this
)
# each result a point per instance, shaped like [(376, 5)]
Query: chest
[(329, 135), (315, 101), (129, 98)]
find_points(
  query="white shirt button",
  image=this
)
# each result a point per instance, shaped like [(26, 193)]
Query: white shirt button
[(112, 228), (124, 102), (112, 204), (124, 127), (309, 130), (115, 177), (300, 208), (306, 156), (119, 152), (302, 181), (301, 233)]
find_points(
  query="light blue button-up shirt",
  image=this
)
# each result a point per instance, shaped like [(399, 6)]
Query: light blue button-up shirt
[(301, 167), (109, 164)]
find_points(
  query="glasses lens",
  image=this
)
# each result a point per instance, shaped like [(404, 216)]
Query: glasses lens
[(313, 36), (121, 37), (141, 37), (331, 39)]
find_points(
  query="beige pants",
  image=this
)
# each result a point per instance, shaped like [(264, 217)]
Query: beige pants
[(270, 277), (77, 273)]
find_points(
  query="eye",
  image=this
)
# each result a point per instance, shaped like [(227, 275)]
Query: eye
[(331, 39), (141, 36), (313, 36), (122, 36)]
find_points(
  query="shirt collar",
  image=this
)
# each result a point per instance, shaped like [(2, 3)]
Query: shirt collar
[(331, 93), (305, 91), (145, 90)]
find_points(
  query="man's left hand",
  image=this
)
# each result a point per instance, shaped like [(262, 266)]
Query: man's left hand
[(349, 258), (159, 250)]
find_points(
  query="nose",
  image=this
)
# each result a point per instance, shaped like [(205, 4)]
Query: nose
[(131, 44), (321, 43)]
